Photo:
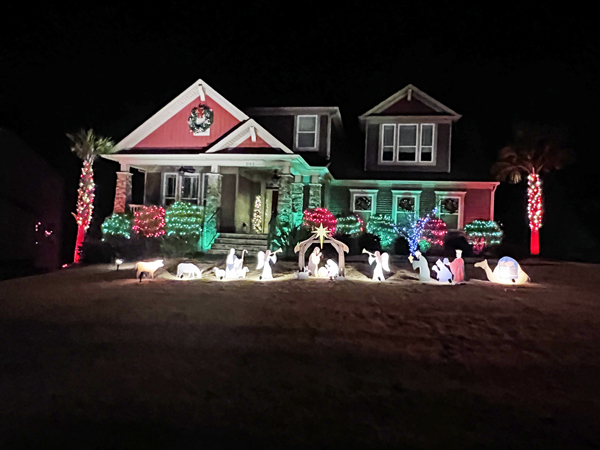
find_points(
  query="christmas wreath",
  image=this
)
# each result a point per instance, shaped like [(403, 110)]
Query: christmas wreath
[(201, 118)]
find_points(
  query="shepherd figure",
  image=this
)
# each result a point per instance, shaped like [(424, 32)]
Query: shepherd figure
[(234, 267)]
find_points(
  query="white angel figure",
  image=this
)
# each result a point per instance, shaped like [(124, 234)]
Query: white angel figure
[(233, 268), (265, 260), (381, 263)]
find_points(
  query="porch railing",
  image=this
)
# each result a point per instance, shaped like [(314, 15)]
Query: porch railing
[(208, 241), (135, 208)]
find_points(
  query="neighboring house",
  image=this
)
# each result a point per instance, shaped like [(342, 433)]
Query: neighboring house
[(32, 205), (202, 149)]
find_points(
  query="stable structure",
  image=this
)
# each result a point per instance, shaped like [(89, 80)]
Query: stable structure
[(340, 247), (202, 149)]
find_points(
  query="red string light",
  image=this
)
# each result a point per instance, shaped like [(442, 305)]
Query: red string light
[(316, 216), (150, 221)]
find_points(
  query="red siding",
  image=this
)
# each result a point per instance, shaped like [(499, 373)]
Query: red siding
[(175, 133), (258, 144), (477, 205), (404, 106)]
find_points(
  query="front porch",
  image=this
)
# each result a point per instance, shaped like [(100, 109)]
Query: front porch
[(239, 193)]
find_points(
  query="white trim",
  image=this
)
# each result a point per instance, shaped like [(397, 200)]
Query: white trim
[(297, 132), (401, 194), (422, 96), (415, 184), (418, 144), (242, 133), (163, 196), (253, 134), (439, 195), (492, 196), (362, 193), (172, 108)]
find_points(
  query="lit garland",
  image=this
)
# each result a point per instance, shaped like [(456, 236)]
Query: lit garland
[(119, 224), (85, 196), (534, 203), (184, 220), (351, 224), (319, 216), (257, 215), (434, 232), (481, 233), (414, 231), (150, 221), (381, 225)]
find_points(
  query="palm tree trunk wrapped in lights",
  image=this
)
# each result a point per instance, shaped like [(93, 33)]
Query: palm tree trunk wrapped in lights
[(534, 210), (87, 146)]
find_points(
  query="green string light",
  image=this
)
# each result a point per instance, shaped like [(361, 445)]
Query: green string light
[(119, 224)]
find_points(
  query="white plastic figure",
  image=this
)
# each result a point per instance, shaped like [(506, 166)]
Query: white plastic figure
[(420, 263), (219, 273), (507, 271), (313, 261), (381, 263), (333, 271), (265, 260), (148, 267), (234, 268), (443, 273), (191, 270)]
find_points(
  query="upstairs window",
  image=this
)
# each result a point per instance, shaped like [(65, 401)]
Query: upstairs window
[(306, 132), (407, 143)]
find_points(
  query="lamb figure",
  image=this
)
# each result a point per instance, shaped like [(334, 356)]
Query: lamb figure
[(148, 267), (191, 270)]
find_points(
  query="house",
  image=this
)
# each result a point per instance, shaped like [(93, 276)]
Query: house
[(31, 220), (202, 149)]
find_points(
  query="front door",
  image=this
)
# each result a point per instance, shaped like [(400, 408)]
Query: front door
[(227, 224)]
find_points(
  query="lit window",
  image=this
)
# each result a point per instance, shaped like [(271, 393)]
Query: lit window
[(407, 143), (306, 132), (363, 201)]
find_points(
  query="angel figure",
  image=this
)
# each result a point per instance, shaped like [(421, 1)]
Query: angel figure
[(234, 268), (265, 260), (313, 261), (381, 263)]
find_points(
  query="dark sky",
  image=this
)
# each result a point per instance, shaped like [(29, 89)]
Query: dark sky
[(110, 68)]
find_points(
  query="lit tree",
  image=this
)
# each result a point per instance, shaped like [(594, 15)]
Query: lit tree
[(87, 146), (534, 152), (257, 215)]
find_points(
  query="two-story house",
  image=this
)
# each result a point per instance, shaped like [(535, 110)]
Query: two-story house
[(202, 149)]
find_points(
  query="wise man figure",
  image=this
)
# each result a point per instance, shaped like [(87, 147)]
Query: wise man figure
[(420, 263), (314, 260), (457, 267)]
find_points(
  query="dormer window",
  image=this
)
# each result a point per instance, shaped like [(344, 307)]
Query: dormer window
[(306, 132), (407, 143)]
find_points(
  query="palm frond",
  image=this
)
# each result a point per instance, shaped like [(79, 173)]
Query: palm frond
[(87, 145)]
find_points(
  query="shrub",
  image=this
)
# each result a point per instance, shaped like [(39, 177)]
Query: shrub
[(350, 224), (483, 233), (117, 225), (286, 238), (178, 246), (184, 220), (96, 252), (149, 222), (357, 243), (382, 225), (316, 216), (434, 233)]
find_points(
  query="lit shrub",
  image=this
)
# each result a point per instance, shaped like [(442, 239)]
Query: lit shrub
[(314, 217), (381, 225), (149, 222), (350, 224), (483, 233), (117, 226)]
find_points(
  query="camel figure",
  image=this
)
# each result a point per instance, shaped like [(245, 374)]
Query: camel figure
[(507, 271)]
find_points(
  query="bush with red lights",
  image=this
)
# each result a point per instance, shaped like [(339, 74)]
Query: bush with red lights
[(316, 216), (149, 221), (434, 232)]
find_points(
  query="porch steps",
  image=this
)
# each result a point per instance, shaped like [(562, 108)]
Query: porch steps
[(240, 241)]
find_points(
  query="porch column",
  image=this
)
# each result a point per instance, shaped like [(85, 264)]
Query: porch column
[(314, 195), (297, 193), (212, 204), (284, 201), (122, 192)]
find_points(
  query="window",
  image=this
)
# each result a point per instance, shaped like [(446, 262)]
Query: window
[(306, 132), (450, 208), (180, 187), (363, 201), (407, 143), (405, 205)]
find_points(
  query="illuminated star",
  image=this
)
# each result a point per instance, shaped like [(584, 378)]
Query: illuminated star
[(322, 233)]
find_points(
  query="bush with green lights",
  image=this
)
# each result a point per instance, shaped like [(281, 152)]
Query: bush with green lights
[(117, 225), (483, 233), (381, 225)]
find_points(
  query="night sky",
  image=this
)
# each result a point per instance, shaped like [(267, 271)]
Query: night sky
[(110, 68)]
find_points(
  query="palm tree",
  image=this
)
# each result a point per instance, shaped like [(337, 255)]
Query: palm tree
[(87, 146), (534, 152)]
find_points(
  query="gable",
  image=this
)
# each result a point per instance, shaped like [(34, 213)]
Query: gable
[(168, 128), (408, 107)]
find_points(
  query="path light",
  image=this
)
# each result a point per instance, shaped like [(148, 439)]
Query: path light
[(118, 262)]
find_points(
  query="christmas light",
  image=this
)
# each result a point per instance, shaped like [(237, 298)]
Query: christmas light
[(382, 226), (85, 205), (434, 232), (320, 216), (184, 220), (414, 232), (534, 210), (257, 215), (351, 224), (481, 233), (119, 224), (150, 221)]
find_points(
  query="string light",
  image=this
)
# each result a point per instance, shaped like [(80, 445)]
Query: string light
[(184, 220), (381, 225), (119, 224), (150, 221), (257, 215), (85, 205), (320, 216), (351, 224), (534, 210), (481, 233), (414, 232), (434, 232)]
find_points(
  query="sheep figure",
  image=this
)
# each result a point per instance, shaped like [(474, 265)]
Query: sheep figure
[(219, 273), (191, 270), (149, 268)]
